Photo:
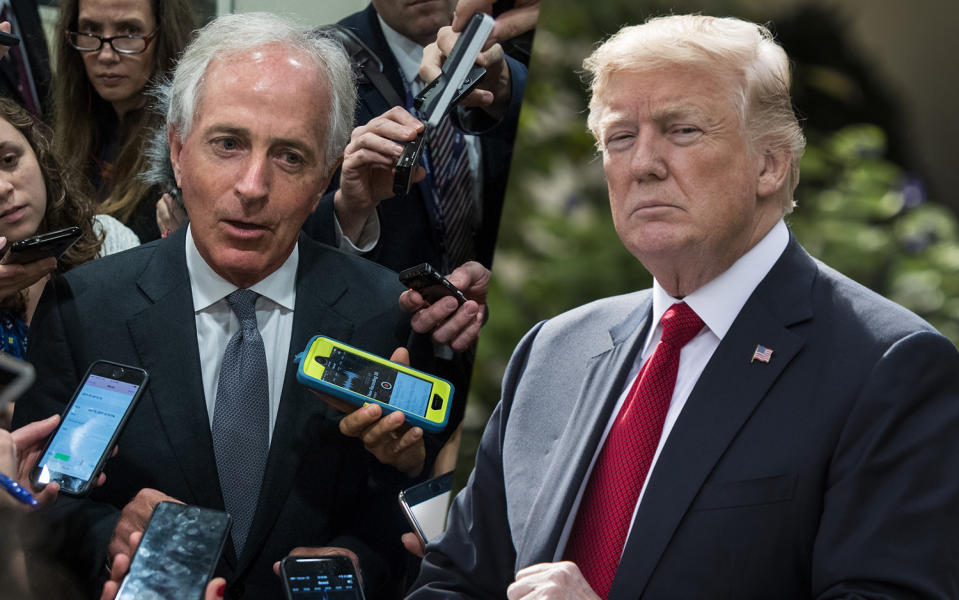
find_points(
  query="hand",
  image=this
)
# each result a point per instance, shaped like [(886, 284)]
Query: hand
[(170, 215), (516, 21), (28, 443), (133, 519), (326, 551), (121, 566), (6, 28), (551, 581), (388, 438), (14, 277), (367, 173), (493, 92), (458, 326), (413, 545)]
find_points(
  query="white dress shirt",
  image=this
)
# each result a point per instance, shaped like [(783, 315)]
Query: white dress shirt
[(216, 323), (718, 304)]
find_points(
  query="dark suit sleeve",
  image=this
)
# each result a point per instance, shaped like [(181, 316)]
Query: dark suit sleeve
[(890, 514), (475, 557), (84, 526)]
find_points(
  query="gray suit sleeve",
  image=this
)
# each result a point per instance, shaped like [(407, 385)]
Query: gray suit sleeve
[(476, 558)]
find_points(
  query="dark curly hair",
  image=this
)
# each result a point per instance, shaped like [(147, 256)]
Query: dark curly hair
[(68, 199)]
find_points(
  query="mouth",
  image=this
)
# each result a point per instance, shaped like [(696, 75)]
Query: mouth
[(12, 214), (244, 229), (111, 78)]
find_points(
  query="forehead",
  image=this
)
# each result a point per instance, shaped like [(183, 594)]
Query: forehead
[(272, 90), (679, 90), (9, 133), (103, 11)]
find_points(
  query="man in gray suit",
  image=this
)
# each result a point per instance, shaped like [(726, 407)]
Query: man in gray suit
[(259, 115), (756, 425)]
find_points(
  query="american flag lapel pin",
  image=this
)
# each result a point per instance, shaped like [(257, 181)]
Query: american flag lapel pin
[(762, 354)]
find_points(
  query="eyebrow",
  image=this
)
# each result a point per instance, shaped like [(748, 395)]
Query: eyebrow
[(137, 23)]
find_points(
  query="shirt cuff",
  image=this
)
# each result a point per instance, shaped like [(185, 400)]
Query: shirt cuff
[(369, 235)]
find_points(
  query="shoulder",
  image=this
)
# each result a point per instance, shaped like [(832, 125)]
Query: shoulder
[(319, 262), (116, 236), (600, 315)]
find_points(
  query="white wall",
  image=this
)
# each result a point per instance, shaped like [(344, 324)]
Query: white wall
[(312, 12)]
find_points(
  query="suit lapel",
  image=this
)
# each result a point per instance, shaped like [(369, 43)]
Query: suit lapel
[(728, 391), (165, 339), (605, 372), (319, 286)]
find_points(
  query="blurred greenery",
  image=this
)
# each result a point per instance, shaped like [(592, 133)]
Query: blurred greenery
[(857, 210)]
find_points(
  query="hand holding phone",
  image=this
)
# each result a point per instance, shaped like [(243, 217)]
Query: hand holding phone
[(101, 405), (45, 245), (457, 325), (425, 506), (177, 554)]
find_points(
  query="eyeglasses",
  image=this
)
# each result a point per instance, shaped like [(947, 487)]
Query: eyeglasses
[(122, 44)]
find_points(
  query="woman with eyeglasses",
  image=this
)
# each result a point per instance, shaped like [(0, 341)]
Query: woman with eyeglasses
[(108, 52)]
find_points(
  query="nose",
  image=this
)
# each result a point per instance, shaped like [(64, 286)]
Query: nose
[(647, 160), (107, 55), (254, 183), (6, 186)]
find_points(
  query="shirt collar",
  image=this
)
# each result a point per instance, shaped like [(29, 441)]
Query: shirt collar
[(408, 53), (718, 302), (208, 287)]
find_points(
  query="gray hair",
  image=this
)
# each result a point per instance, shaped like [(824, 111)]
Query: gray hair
[(724, 45), (242, 32)]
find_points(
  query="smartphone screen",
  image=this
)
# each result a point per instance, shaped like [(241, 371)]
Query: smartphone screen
[(100, 406), (426, 505), (377, 381), (320, 578), (179, 550)]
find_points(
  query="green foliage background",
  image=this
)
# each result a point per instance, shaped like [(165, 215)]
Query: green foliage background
[(857, 211)]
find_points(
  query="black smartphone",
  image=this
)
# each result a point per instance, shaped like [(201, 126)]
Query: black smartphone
[(425, 506), (32, 249), (430, 284), (403, 172), (320, 578), (90, 426), (178, 553), (7, 39)]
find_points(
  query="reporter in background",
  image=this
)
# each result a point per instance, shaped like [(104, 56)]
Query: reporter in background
[(108, 52)]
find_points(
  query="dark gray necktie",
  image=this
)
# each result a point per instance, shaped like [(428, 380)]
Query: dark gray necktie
[(241, 418)]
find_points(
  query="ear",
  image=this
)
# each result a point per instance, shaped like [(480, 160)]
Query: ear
[(773, 172), (176, 145)]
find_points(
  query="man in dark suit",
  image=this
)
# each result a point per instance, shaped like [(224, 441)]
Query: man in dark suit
[(25, 70), (259, 115), (756, 425), (360, 202)]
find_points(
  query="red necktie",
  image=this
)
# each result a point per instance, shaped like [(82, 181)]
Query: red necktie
[(599, 531)]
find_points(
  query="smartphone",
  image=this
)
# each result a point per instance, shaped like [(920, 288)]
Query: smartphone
[(90, 427), (430, 284), (361, 378), (178, 553), (425, 506), (15, 378), (32, 249), (7, 39), (320, 578)]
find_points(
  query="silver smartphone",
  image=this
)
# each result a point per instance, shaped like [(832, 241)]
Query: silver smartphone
[(426, 504)]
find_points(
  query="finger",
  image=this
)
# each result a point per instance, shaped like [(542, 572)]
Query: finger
[(431, 64), (356, 423), (413, 544), (48, 495), (515, 22), (381, 432), (401, 355), (370, 149), (215, 589), (34, 433), (412, 301), (427, 319), (119, 567), (465, 9), (449, 329), (468, 335), (110, 590), (409, 440)]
